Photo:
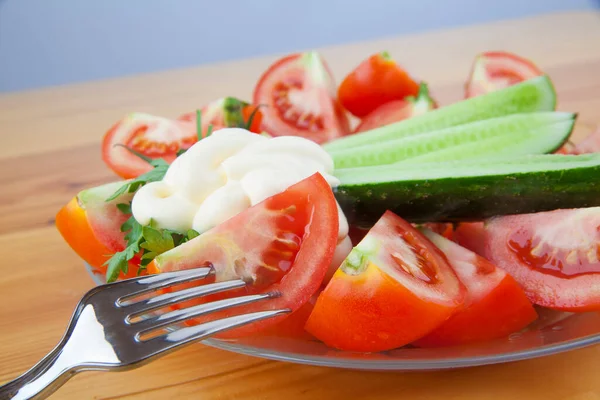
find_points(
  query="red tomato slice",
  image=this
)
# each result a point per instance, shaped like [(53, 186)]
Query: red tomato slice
[(398, 110), (152, 136), (298, 94), (226, 113), (392, 289), (282, 245), (553, 255), (470, 235), (495, 305), (495, 70), (92, 227), (375, 82), (591, 144)]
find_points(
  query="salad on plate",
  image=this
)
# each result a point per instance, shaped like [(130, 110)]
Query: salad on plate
[(382, 218)]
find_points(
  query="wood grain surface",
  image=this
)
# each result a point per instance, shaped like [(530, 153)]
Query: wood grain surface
[(49, 150)]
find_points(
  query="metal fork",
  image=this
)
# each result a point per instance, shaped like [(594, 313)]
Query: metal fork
[(107, 331)]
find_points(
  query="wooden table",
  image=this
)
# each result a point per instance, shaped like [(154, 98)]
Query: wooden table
[(49, 150)]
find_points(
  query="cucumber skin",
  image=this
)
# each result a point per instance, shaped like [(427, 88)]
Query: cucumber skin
[(470, 198)]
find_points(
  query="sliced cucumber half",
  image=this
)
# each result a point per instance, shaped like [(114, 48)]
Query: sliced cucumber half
[(533, 95), (470, 189), (532, 133)]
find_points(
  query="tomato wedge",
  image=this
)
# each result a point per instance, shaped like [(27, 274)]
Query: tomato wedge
[(392, 289), (495, 305), (553, 255), (283, 245), (495, 70), (92, 227), (376, 81), (298, 94), (152, 136), (226, 113), (398, 110)]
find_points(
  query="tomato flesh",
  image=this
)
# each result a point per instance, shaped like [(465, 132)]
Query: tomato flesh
[(398, 110), (393, 288), (553, 255), (298, 95), (495, 305), (282, 245), (152, 136), (92, 227), (470, 235), (375, 82), (496, 70)]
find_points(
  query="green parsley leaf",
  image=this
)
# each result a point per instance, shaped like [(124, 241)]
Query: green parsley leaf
[(125, 208), (135, 153), (157, 241), (116, 264), (192, 234), (199, 124), (154, 175)]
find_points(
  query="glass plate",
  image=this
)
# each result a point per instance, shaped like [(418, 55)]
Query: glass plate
[(552, 333)]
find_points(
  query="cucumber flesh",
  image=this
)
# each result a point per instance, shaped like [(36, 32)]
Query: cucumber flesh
[(520, 133), (542, 140), (533, 95), (469, 190)]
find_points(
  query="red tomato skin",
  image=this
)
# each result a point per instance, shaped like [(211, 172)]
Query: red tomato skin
[(304, 276), (376, 81), (503, 311), (312, 73), (577, 293), (495, 70), (372, 310), (388, 314), (495, 305), (398, 110)]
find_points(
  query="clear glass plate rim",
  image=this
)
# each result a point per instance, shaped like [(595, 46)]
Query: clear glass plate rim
[(392, 365)]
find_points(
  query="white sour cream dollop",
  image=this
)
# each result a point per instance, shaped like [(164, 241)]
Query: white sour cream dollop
[(228, 172)]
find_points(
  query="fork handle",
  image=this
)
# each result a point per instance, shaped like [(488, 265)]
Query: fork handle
[(41, 380)]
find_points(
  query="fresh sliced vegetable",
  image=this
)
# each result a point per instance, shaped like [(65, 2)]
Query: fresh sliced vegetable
[(495, 305), (393, 288), (397, 110), (512, 135), (282, 245), (553, 255), (228, 112), (470, 189), (533, 95), (376, 81), (149, 135), (470, 235), (298, 95), (495, 70), (91, 226)]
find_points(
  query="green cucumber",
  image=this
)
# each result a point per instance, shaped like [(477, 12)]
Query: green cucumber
[(531, 133), (533, 95), (470, 189)]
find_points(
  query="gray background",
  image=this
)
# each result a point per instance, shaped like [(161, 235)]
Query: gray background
[(52, 42)]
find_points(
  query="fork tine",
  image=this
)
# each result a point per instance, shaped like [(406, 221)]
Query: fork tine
[(176, 316), (159, 281), (179, 296), (192, 333)]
